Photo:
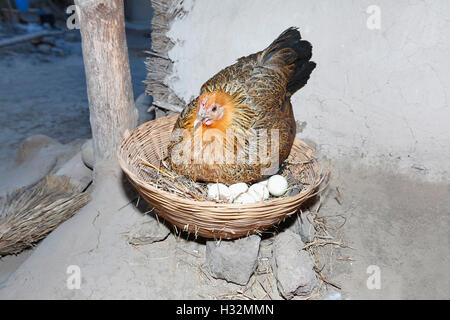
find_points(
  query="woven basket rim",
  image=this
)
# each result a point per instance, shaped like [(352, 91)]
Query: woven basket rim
[(209, 203), (207, 218)]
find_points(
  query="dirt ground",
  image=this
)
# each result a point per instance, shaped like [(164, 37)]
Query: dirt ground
[(46, 93), (395, 224)]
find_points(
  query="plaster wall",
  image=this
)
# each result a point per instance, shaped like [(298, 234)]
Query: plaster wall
[(377, 96)]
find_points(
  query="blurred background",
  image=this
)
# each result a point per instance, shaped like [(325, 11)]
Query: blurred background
[(42, 82)]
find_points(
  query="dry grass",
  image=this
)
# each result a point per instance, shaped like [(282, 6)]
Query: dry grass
[(31, 213), (164, 178), (326, 240), (170, 181), (159, 65)]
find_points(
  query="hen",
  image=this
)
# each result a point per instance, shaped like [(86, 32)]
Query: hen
[(242, 127)]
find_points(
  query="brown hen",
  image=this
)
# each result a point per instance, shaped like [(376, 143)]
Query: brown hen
[(241, 127)]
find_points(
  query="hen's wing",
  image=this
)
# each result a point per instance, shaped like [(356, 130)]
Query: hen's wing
[(251, 82), (261, 82)]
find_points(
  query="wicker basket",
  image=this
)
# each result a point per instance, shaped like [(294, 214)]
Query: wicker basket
[(208, 219)]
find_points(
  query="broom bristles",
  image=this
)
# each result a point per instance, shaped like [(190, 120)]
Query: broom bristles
[(29, 214)]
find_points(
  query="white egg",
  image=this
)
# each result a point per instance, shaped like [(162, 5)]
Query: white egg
[(245, 198), (218, 191), (259, 192), (264, 182), (237, 189), (277, 185)]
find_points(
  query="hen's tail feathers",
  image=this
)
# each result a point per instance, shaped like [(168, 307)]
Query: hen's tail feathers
[(290, 50)]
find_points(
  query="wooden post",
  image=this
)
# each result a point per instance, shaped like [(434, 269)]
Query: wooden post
[(108, 79)]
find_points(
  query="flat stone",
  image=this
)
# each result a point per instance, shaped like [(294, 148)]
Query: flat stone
[(87, 154), (302, 226), (235, 260), (32, 145), (148, 232), (293, 267)]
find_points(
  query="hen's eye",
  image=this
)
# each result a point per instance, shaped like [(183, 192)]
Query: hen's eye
[(214, 109)]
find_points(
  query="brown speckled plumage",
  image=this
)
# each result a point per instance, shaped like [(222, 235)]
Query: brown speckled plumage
[(256, 91)]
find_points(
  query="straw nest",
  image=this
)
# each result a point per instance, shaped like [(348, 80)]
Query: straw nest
[(31, 213), (141, 156)]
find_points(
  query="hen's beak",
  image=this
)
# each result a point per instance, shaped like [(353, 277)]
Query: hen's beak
[(198, 120)]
